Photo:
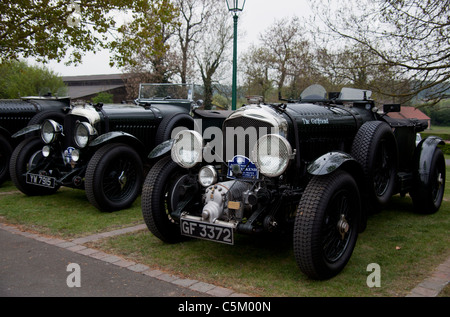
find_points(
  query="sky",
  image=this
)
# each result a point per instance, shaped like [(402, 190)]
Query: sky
[(258, 16)]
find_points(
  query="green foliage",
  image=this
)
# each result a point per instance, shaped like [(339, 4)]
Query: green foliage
[(220, 101), (439, 114), (18, 79), (103, 97), (45, 29), (146, 36)]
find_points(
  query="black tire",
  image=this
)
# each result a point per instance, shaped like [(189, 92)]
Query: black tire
[(5, 156), (427, 197), (114, 177), (26, 153), (375, 148), (326, 225), (167, 125), (157, 200)]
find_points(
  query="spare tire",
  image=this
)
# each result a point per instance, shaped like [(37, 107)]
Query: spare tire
[(375, 148), (57, 115), (169, 123)]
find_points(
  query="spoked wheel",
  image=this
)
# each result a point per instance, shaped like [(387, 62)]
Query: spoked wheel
[(326, 225), (383, 169), (164, 189), (114, 177)]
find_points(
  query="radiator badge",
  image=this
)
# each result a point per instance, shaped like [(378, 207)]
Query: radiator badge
[(240, 166)]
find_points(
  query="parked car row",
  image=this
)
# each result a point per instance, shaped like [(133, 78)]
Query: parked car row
[(314, 167), (102, 149)]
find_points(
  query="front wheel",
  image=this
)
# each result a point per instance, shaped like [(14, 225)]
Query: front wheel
[(25, 157), (161, 193), (326, 225), (114, 177)]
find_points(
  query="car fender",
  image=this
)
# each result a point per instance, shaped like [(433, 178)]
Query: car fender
[(161, 150), (26, 130), (331, 162), (328, 163), (119, 136), (423, 156)]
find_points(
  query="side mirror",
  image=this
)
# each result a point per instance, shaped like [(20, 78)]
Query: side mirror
[(391, 108)]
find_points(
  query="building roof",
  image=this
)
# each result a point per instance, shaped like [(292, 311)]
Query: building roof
[(88, 85), (76, 92), (70, 79), (409, 113)]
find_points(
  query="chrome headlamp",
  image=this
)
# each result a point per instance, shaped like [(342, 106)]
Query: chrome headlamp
[(272, 154), (50, 130), (84, 133), (187, 148), (207, 176)]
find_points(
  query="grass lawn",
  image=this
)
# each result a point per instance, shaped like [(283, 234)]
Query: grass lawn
[(406, 245), (66, 214), (438, 129)]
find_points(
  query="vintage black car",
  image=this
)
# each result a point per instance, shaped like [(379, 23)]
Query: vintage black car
[(16, 114), (314, 167), (102, 148)]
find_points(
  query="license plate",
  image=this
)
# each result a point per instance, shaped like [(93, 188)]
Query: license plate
[(207, 231), (41, 180)]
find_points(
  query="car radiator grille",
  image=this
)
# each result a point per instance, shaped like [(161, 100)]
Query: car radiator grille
[(241, 134), (70, 123)]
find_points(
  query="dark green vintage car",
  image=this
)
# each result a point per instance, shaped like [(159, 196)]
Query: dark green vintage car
[(103, 148), (15, 114), (314, 167)]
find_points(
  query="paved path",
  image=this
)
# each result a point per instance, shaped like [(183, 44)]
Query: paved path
[(33, 265)]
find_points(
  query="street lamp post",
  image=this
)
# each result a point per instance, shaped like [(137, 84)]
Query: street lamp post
[(235, 7)]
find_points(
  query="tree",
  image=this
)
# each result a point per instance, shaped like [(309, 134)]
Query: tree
[(18, 79), (194, 15), (103, 97), (257, 69), (355, 66), (143, 47), (211, 55), (282, 42), (283, 60), (410, 35), (46, 29)]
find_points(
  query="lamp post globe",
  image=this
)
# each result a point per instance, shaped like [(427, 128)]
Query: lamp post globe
[(235, 6)]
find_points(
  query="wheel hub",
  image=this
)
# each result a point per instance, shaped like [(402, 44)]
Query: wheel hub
[(440, 179), (122, 180), (343, 226)]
